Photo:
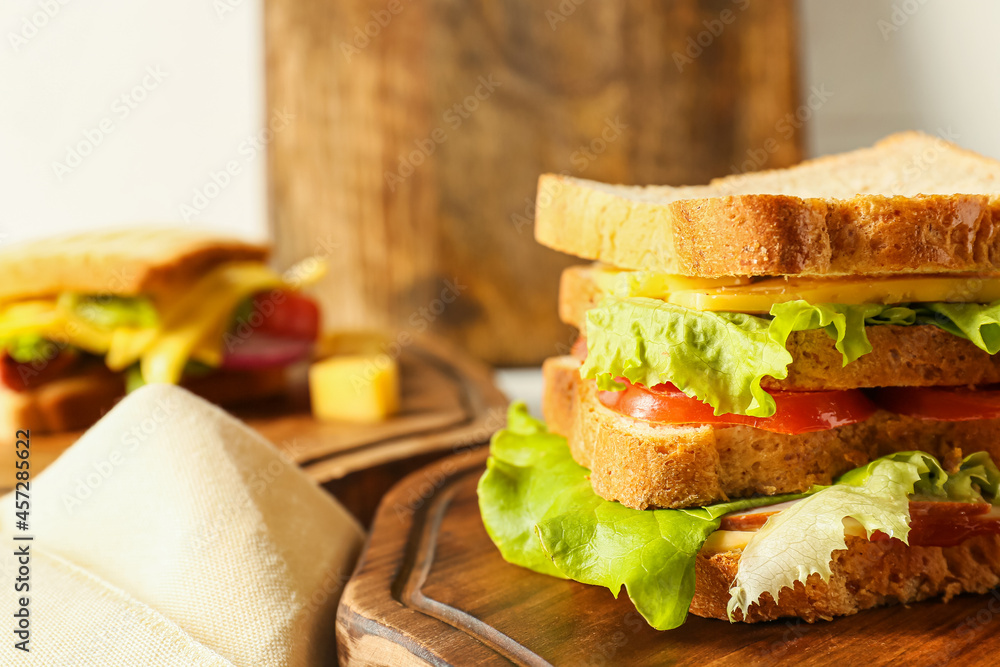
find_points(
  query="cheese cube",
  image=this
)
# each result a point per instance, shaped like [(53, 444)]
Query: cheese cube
[(358, 388)]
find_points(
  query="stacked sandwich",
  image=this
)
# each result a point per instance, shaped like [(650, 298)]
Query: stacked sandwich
[(85, 318), (784, 400)]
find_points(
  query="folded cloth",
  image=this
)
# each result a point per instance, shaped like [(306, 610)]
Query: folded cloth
[(173, 534)]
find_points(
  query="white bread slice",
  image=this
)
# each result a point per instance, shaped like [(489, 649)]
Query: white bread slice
[(646, 464), (901, 356), (910, 204), (865, 575), (78, 400), (123, 262)]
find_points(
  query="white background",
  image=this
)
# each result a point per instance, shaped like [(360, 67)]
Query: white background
[(890, 65), (932, 65), (70, 73)]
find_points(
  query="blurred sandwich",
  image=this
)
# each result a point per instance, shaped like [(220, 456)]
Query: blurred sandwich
[(86, 318), (784, 400)]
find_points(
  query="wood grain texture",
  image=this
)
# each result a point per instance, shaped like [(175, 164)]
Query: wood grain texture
[(449, 403), (432, 589), (395, 170)]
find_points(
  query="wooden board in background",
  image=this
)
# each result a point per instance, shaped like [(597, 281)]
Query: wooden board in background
[(411, 154), (449, 403), (432, 589)]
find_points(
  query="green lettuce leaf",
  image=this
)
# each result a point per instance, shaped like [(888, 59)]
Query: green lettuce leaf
[(527, 469), (718, 358), (845, 324), (721, 358), (800, 540), (931, 477), (541, 512), (30, 348), (977, 480), (110, 312), (977, 322)]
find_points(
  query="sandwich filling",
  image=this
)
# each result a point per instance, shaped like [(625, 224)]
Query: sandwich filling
[(239, 315), (540, 510), (715, 340)]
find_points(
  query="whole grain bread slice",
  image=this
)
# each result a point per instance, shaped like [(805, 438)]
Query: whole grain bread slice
[(912, 203), (647, 464), (126, 262), (865, 575), (901, 356)]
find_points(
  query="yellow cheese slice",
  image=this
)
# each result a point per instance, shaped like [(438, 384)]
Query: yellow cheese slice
[(28, 317), (192, 322), (200, 317), (359, 388), (44, 317), (644, 283), (759, 296), (722, 541)]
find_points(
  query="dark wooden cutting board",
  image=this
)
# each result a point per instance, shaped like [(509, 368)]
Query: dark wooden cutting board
[(448, 402), (431, 589)]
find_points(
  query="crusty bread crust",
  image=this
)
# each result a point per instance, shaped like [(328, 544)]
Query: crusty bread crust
[(837, 215), (901, 356), (125, 262), (865, 575), (65, 404), (643, 464), (77, 401)]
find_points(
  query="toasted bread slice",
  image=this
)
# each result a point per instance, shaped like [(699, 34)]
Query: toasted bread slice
[(910, 204), (646, 464), (65, 404), (78, 400), (122, 262), (901, 356), (865, 575)]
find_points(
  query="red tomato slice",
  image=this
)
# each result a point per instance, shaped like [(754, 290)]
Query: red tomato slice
[(283, 314), (263, 351), (23, 376), (797, 411), (932, 523), (945, 524), (940, 403)]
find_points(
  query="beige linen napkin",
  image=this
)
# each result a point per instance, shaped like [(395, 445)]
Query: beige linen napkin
[(172, 534)]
